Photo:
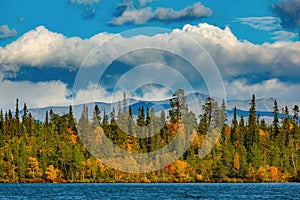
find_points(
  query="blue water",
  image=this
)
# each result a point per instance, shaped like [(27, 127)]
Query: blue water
[(150, 191)]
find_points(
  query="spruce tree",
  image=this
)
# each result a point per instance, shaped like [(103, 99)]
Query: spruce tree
[(96, 119), (105, 119), (178, 105), (210, 110), (162, 117), (141, 116), (275, 120), (234, 131), (71, 120), (296, 115), (251, 135)]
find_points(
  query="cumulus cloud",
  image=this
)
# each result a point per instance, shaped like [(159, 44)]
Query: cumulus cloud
[(136, 16), (235, 58), (195, 11), (143, 15), (6, 32), (277, 61), (288, 11), (43, 48), (266, 23)]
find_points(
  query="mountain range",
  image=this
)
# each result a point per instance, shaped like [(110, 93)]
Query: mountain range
[(264, 107)]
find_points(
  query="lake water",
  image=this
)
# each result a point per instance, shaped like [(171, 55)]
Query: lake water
[(150, 191)]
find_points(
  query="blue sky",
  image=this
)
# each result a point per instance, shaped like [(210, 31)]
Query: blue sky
[(86, 20), (45, 44)]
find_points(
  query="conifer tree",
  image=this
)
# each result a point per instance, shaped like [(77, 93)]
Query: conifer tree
[(47, 118), (234, 131), (113, 115), (141, 116), (162, 117), (71, 120), (296, 115), (83, 123), (251, 134), (178, 105), (105, 119), (17, 120), (96, 119), (210, 110), (275, 120)]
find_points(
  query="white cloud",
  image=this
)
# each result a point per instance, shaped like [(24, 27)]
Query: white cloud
[(284, 36), (143, 15), (135, 16), (142, 3), (43, 48), (55, 93), (195, 11), (35, 95), (236, 58), (153, 93), (240, 89), (84, 2), (96, 93), (269, 23), (266, 23), (6, 32)]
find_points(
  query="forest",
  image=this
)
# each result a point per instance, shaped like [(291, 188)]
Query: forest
[(55, 150)]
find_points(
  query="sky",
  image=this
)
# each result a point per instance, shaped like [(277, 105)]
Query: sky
[(64, 52)]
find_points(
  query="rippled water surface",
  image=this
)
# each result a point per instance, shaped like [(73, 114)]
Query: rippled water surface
[(150, 191)]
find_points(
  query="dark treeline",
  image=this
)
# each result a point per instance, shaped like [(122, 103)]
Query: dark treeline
[(248, 150)]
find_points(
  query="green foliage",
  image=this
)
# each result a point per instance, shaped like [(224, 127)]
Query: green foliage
[(53, 151)]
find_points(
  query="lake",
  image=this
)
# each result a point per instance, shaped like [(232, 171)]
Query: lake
[(151, 191)]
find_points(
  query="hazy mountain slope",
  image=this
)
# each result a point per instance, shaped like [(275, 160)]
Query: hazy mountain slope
[(195, 101)]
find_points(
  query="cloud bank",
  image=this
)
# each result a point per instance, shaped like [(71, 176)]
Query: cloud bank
[(43, 48), (276, 66)]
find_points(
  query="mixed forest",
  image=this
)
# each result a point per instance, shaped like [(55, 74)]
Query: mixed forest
[(247, 150)]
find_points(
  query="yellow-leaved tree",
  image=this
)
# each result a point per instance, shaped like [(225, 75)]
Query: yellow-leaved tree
[(52, 173), (34, 168)]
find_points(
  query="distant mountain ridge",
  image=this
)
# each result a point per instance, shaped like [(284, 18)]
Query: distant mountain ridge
[(264, 107)]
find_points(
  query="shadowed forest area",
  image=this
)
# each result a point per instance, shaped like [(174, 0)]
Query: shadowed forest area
[(247, 150)]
